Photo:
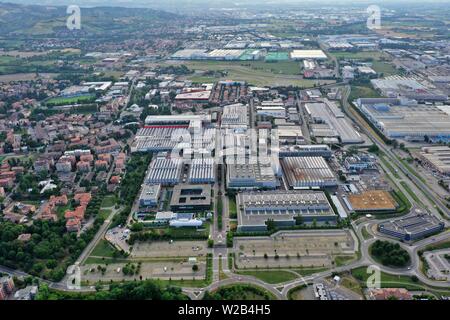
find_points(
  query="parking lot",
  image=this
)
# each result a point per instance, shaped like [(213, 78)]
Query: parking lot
[(163, 270), (294, 249), (169, 249), (439, 265)]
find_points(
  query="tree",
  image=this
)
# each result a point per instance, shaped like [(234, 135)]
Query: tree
[(195, 268)]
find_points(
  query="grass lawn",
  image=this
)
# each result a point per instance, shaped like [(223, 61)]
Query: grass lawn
[(108, 201), (392, 281), (363, 92), (352, 284), (269, 276), (410, 192), (343, 260), (309, 271), (71, 100), (385, 68), (245, 292), (103, 249), (232, 207), (295, 293), (104, 213), (388, 165), (259, 73), (366, 235)]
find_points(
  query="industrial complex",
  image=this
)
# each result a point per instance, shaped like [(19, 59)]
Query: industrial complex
[(283, 208)]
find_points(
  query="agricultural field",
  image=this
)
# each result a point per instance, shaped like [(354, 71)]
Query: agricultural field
[(259, 73)]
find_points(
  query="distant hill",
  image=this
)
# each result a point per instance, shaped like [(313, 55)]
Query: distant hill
[(46, 20)]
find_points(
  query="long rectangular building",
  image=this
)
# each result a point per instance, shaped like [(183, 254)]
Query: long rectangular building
[(308, 172), (202, 171), (282, 207), (310, 150), (251, 176), (412, 228), (328, 113), (164, 171), (438, 157), (407, 120), (235, 116)]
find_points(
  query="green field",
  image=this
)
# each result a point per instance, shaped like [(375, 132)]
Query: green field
[(363, 92), (240, 292), (343, 260), (258, 73), (309, 271), (109, 201), (105, 213), (395, 281), (366, 235), (72, 100), (385, 68), (270, 276), (232, 207), (103, 249)]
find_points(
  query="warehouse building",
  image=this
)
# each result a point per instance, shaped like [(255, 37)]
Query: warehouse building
[(189, 197), (310, 150), (291, 135), (437, 157), (412, 228), (407, 120), (308, 172), (202, 171), (149, 195), (183, 120), (329, 114), (235, 116), (190, 54), (192, 98), (157, 139), (256, 208), (225, 54), (166, 172), (308, 54), (407, 88), (251, 176)]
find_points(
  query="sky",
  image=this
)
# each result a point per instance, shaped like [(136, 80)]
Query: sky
[(162, 3)]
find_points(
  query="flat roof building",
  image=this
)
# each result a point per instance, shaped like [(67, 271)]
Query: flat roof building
[(150, 195), (307, 172), (437, 157), (251, 176), (164, 171), (235, 116), (412, 228), (202, 171), (187, 197), (329, 114), (406, 119), (310, 150), (308, 54), (256, 208)]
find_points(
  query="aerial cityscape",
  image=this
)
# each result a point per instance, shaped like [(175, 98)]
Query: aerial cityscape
[(208, 150)]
